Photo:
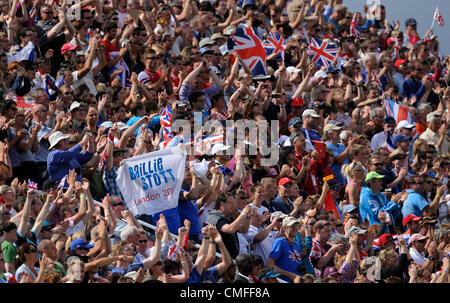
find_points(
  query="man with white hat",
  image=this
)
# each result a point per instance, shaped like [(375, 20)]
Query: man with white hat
[(310, 123), (286, 254), (436, 134), (404, 128)]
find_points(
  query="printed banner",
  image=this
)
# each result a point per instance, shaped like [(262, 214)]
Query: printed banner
[(151, 183)]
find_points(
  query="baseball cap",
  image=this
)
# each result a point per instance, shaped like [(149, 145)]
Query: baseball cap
[(297, 101), (249, 3), (397, 155), (107, 124), (68, 47), (217, 36), (74, 105), (320, 74), (289, 221), (388, 120), (292, 69), (399, 62), (410, 22), (80, 243), (355, 229), (400, 138), (331, 126), (384, 238), (410, 217), (416, 237), (349, 208), (284, 180), (433, 115), (294, 135), (294, 121), (330, 271), (310, 112), (277, 214), (206, 41), (404, 124), (373, 175)]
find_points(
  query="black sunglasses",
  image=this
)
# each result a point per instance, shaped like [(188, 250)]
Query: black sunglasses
[(143, 241), (377, 164)]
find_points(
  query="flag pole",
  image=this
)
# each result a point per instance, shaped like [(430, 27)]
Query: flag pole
[(434, 17)]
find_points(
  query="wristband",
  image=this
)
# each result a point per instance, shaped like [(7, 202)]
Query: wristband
[(82, 195), (246, 217), (212, 242), (438, 196), (206, 238), (431, 258)]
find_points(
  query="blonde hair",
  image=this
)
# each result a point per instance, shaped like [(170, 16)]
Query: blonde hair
[(332, 93), (347, 169), (77, 235), (384, 255), (416, 146), (115, 251)]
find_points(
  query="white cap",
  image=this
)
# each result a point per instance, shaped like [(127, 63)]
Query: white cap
[(74, 105), (55, 138), (205, 49), (310, 112), (219, 147), (293, 69), (121, 126), (320, 74), (433, 115), (404, 124), (107, 124), (206, 41)]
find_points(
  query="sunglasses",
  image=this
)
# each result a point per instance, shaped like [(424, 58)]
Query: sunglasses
[(324, 224), (116, 204), (419, 183), (68, 93), (377, 164), (33, 251), (48, 12), (142, 241), (339, 225)]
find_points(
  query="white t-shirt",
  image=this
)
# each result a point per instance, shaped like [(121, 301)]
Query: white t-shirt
[(264, 247), (88, 79), (419, 258)]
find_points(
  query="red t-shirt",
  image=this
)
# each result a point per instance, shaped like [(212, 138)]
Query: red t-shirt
[(109, 47)]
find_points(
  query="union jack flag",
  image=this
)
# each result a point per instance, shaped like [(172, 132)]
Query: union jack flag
[(166, 121), (275, 43), (322, 52), (32, 185), (102, 163), (377, 81), (246, 43), (62, 182), (22, 102), (174, 250), (354, 28), (396, 46), (439, 18)]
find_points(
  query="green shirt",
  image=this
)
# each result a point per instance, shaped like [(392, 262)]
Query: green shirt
[(9, 251)]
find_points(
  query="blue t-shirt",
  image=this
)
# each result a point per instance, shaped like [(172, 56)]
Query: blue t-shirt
[(414, 204), (194, 277), (188, 209), (335, 167), (287, 257), (172, 217), (155, 121)]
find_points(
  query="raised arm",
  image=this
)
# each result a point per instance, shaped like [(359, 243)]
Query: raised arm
[(25, 216), (40, 219)]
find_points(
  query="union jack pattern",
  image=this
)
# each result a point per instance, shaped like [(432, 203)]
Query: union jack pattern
[(439, 18), (322, 52), (166, 121), (354, 28), (246, 43), (275, 43), (32, 185)]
